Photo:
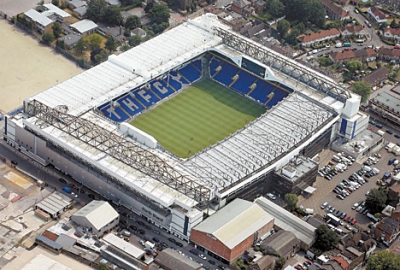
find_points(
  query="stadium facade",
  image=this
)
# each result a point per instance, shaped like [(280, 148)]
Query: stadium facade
[(80, 125)]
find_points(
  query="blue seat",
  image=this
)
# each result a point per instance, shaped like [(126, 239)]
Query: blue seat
[(160, 88), (190, 73), (262, 91), (116, 114), (244, 82), (130, 105), (225, 75), (214, 63), (146, 97), (197, 64), (278, 96)]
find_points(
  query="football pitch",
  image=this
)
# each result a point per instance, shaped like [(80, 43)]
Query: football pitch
[(200, 116)]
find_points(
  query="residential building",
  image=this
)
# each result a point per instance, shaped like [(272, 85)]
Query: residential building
[(387, 230), (377, 77), (76, 4), (233, 229), (388, 54), (295, 177), (97, 216), (285, 220), (342, 57), (242, 7), (259, 6), (318, 37), (396, 213), (138, 32), (283, 243), (80, 12), (333, 11), (392, 33), (41, 23), (84, 27), (366, 55), (352, 30), (377, 15)]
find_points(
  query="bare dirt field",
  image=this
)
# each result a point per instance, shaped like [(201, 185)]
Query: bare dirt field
[(14, 7), (27, 67)]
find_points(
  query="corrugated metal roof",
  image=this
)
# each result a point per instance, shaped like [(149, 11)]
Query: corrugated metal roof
[(235, 222), (122, 245), (98, 213), (48, 242)]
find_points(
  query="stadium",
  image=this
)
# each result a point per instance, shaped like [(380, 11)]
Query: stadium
[(184, 123)]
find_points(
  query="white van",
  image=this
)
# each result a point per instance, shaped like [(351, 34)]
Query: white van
[(271, 196)]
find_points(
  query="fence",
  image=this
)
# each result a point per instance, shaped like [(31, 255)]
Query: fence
[(80, 62)]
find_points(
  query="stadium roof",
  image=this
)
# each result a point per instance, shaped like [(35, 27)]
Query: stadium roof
[(98, 213), (259, 143), (235, 222), (287, 221)]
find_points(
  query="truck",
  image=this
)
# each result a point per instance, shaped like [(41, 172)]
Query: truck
[(347, 44), (67, 189), (332, 219), (339, 45), (336, 158)]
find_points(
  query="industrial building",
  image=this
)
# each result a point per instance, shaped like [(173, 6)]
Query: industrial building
[(228, 233), (81, 127), (97, 216)]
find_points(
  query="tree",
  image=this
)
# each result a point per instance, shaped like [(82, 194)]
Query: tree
[(103, 266), (282, 27), (47, 38), (325, 61), (158, 13), (376, 200), (354, 65), (363, 89), (280, 262), (134, 41), (101, 57), (57, 30), (304, 11), (113, 16), (133, 22), (95, 41), (292, 37), (291, 200), (393, 24), (274, 8), (96, 10), (81, 45), (326, 239), (384, 259), (134, 3), (55, 2), (111, 44)]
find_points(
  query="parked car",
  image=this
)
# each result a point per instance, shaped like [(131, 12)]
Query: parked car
[(354, 221)]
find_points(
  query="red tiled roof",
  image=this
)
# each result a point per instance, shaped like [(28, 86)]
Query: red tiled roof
[(341, 261), (377, 13), (321, 34), (337, 56), (393, 31)]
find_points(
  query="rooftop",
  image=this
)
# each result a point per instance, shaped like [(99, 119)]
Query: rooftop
[(287, 221), (297, 168), (84, 26), (121, 244), (171, 259), (38, 17), (99, 213), (392, 102), (54, 203), (235, 222)]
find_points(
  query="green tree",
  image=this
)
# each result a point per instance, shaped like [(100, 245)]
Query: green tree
[(384, 260), (81, 46), (363, 89), (111, 44), (292, 37), (60, 44), (55, 2), (101, 57), (393, 24), (304, 11), (326, 239), (376, 199), (325, 61), (158, 13), (113, 16), (134, 3), (96, 10), (134, 41), (274, 8), (283, 27), (133, 22), (95, 41), (57, 30), (280, 262), (291, 200), (47, 38), (354, 65), (125, 47), (103, 266)]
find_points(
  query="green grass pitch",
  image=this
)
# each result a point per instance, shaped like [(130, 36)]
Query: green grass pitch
[(200, 116)]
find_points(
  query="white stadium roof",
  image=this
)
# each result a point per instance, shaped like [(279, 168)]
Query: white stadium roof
[(222, 167)]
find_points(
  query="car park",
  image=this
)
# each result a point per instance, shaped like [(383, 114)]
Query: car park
[(343, 215), (141, 231), (179, 244), (354, 221), (346, 218), (389, 131), (397, 135), (201, 255), (339, 196), (350, 219), (324, 205), (378, 125)]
